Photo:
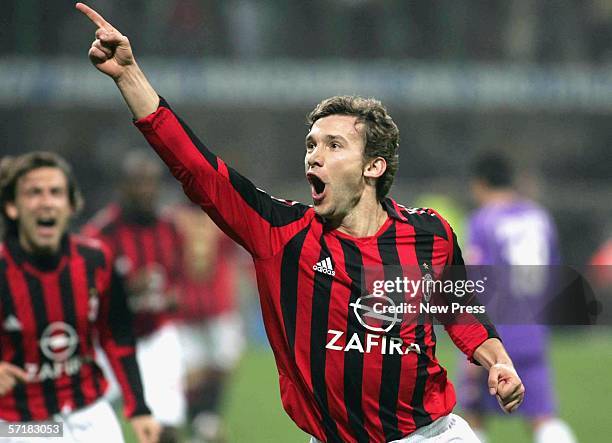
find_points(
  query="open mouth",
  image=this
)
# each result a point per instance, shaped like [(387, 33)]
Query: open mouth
[(317, 186), (46, 222)]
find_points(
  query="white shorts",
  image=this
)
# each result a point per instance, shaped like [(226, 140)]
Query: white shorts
[(448, 429), (217, 342), (161, 369), (96, 423)]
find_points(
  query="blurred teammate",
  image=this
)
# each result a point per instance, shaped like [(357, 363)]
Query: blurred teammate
[(338, 382), (210, 325), (58, 292), (508, 229), (147, 250)]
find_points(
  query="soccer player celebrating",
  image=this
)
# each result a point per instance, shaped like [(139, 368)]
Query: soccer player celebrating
[(58, 292), (513, 232), (148, 257), (310, 263)]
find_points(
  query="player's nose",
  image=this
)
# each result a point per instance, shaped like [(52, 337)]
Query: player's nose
[(315, 158)]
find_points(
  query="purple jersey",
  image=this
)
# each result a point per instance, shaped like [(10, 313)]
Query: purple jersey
[(515, 234), (511, 234)]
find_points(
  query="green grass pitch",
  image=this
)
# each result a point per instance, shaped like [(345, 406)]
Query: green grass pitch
[(582, 362)]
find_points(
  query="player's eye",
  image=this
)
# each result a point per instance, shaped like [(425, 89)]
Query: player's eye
[(310, 146), (33, 192), (58, 192)]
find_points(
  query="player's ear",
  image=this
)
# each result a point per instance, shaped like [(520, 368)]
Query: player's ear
[(11, 210), (374, 168)]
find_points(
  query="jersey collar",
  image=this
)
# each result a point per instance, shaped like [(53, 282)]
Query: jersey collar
[(40, 262)]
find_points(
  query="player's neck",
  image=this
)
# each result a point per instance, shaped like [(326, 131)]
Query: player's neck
[(499, 196), (365, 219)]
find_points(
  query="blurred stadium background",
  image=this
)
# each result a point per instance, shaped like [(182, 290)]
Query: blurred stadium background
[(529, 78)]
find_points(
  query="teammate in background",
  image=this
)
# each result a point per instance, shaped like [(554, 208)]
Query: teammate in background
[(210, 327), (148, 257), (58, 292), (511, 230), (310, 262)]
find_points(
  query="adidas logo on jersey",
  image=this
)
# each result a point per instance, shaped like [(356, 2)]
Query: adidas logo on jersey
[(11, 324), (325, 266)]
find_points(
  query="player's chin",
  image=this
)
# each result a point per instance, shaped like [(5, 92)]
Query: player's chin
[(322, 208)]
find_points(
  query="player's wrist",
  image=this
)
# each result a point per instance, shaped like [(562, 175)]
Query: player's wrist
[(129, 75)]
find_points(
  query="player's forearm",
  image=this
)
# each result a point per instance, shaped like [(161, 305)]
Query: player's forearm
[(137, 92), (491, 352)]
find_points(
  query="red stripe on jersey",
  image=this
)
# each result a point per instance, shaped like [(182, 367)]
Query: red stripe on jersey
[(338, 320), (8, 403), (53, 304), (437, 388), (170, 250), (372, 361), (25, 312), (409, 262), (304, 307), (128, 248), (222, 168), (147, 239), (78, 273)]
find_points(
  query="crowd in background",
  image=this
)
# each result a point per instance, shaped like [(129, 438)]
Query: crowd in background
[(515, 30), (562, 150)]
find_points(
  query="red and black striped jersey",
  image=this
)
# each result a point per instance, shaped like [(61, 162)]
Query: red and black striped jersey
[(148, 256), (339, 381), (209, 285), (52, 311)]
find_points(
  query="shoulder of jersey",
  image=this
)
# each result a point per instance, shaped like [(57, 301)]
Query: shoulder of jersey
[(88, 242), (427, 219), (104, 219)]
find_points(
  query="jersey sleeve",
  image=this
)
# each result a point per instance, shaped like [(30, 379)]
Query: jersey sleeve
[(467, 330), (117, 339), (259, 222)]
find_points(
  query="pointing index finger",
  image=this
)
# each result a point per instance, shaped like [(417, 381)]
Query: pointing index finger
[(96, 18)]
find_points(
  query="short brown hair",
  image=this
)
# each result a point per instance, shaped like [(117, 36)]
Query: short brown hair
[(381, 132), (13, 168)]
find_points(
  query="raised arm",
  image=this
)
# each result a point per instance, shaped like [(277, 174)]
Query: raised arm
[(112, 55), (250, 216)]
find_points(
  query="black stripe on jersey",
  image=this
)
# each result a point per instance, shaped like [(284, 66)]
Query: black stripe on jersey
[(276, 212), (8, 308), (290, 267), (130, 369), (392, 363), (110, 229), (119, 315), (94, 259), (426, 222), (321, 295), (40, 316), (424, 251), (70, 317), (353, 361)]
